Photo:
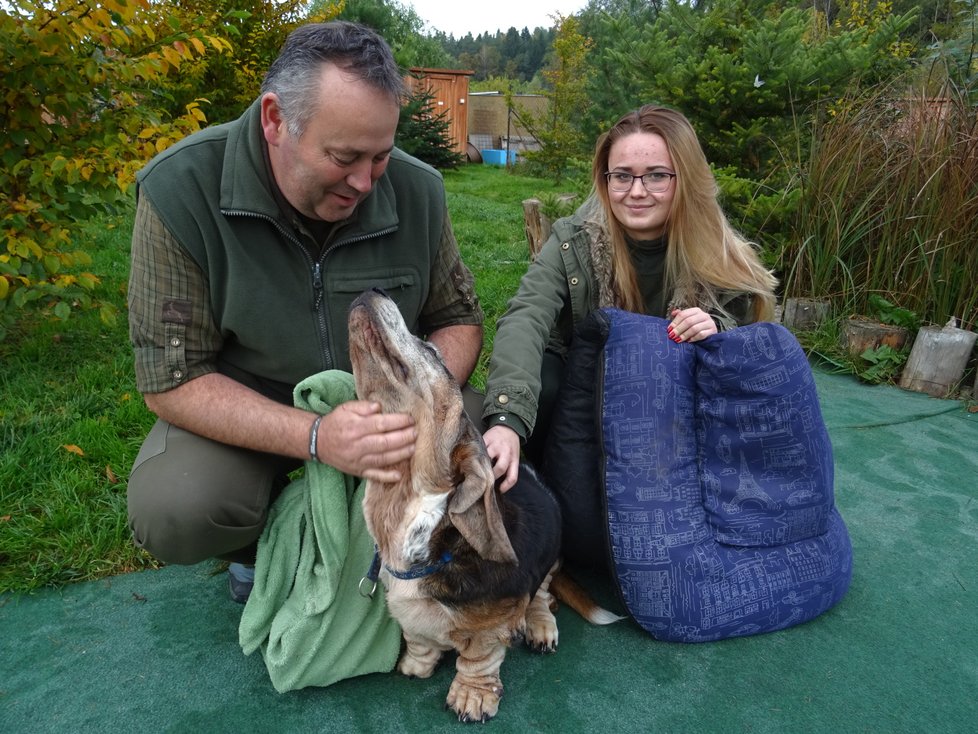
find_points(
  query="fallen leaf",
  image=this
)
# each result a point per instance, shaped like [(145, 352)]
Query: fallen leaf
[(973, 408), (5, 518), (70, 447)]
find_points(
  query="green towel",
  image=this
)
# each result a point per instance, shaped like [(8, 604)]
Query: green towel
[(305, 611)]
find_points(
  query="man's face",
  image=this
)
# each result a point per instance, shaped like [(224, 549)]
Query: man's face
[(344, 149)]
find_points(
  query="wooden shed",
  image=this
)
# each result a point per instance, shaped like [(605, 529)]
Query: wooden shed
[(450, 90)]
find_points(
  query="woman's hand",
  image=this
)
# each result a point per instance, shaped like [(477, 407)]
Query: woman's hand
[(691, 325), (503, 446)]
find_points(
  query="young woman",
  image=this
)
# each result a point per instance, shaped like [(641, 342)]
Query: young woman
[(651, 238)]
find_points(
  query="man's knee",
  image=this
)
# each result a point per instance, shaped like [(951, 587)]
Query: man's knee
[(179, 526), (191, 499)]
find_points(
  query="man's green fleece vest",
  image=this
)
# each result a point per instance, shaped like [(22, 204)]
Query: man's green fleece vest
[(279, 303)]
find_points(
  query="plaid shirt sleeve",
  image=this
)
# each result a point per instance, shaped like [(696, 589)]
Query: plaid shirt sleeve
[(452, 299), (171, 327)]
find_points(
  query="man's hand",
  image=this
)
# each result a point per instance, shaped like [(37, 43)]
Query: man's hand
[(354, 437), (358, 439), (503, 446), (691, 325)]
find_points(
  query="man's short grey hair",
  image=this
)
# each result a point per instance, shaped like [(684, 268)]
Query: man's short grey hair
[(295, 75)]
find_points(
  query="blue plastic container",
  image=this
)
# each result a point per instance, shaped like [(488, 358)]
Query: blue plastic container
[(495, 157)]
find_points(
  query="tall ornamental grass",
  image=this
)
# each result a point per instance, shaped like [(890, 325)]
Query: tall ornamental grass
[(889, 206)]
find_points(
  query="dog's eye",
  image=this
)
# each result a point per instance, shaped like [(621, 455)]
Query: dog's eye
[(432, 348)]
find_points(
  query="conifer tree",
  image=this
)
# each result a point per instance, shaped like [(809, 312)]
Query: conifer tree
[(425, 133)]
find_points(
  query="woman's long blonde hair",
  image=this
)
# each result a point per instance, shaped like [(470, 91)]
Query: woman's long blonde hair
[(705, 254)]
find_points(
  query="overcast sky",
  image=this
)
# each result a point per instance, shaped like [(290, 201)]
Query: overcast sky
[(458, 17)]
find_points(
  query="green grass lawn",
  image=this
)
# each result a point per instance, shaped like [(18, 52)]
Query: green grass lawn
[(71, 421)]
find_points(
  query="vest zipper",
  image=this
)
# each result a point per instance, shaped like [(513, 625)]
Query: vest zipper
[(317, 284), (317, 279), (319, 289), (317, 271)]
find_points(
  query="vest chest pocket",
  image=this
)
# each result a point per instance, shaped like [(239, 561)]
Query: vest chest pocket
[(404, 286)]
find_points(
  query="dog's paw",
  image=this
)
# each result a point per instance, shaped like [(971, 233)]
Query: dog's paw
[(474, 703), (544, 648), (419, 664), (517, 635), (541, 632)]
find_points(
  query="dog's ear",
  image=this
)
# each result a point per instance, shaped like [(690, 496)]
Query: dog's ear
[(472, 508)]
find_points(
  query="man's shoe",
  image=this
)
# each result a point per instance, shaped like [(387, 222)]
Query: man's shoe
[(241, 579)]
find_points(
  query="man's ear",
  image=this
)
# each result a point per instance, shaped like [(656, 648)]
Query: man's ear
[(473, 508), (272, 122)]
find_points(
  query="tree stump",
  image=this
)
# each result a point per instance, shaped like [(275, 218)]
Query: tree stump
[(804, 314), (536, 224), (862, 334), (937, 360)]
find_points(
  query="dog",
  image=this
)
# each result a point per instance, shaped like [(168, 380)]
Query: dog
[(464, 566)]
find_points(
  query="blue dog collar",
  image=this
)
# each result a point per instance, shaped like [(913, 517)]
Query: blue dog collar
[(416, 571)]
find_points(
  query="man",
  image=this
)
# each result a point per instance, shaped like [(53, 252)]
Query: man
[(250, 241)]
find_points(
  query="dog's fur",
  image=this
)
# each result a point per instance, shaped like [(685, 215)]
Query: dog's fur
[(504, 547)]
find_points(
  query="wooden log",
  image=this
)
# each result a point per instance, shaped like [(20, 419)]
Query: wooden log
[(804, 314), (861, 334), (536, 225), (937, 360)]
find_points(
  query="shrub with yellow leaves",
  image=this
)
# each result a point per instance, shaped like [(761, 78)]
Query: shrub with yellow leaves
[(82, 111)]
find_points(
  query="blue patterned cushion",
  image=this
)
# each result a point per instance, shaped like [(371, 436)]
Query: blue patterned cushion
[(718, 480)]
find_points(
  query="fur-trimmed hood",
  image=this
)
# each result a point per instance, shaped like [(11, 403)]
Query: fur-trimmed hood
[(683, 294), (601, 264)]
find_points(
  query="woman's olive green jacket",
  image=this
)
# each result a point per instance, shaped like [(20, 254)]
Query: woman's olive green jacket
[(559, 289)]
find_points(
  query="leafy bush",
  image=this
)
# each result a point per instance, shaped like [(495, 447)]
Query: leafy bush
[(80, 116), (564, 145), (883, 364), (231, 81), (892, 314)]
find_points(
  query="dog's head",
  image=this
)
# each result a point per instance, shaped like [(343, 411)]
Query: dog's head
[(405, 374)]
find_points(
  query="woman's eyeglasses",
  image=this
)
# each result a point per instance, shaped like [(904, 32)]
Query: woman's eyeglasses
[(655, 182)]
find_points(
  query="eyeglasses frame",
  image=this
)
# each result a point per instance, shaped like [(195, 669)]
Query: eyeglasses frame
[(670, 174)]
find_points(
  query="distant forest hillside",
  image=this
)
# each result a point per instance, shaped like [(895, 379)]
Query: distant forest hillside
[(516, 55)]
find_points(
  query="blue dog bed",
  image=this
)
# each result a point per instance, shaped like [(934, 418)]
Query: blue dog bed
[(700, 476)]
